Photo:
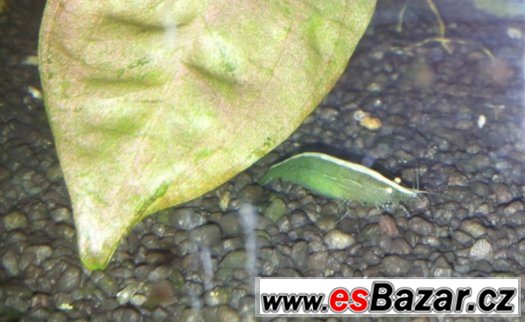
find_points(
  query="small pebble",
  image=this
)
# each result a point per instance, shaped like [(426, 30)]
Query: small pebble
[(159, 273), (69, 280), (14, 220), (61, 214), (374, 87), (300, 253), (394, 265), (105, 282), (502, 192), (514, 33), (473, 228), (41, 252), (276, 209), (482, 249), (235, 259), (359, 115), (34, 92), (420, 226), (251, 193), (9, 261), (128, 314), (482, 119), (191, 315), (160, 314), (387, 225), (224, 200), (338, 240), (371, 123), (230, 224), (125, 294), (227, 314), (207, 235), (186, 218), (400, 247), (317, 261), (217, 296), (327, 222)]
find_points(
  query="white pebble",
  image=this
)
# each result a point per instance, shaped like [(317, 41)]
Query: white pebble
[(482, 249), (359, 115), (514, 33), (336, 239), (481, 121), (34, 92), (65, 306)]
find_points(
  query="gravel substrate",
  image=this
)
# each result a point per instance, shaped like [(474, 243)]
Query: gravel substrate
[(451, 121)]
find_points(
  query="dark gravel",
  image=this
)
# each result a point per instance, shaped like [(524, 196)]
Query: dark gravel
[(452, 122)]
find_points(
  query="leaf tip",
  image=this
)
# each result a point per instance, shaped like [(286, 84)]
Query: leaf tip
[(98, 239), (94, 261)]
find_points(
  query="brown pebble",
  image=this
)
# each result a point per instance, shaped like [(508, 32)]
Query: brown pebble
[(371, 123), (40, 300), (499, 71), (424, 77), (457, 179), (387, 226)]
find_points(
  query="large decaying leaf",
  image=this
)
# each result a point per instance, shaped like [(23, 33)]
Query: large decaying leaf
[(153, 103), (339, 179)]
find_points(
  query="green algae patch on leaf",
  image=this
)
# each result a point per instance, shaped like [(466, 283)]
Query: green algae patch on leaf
[(153, 103), (339, 179)]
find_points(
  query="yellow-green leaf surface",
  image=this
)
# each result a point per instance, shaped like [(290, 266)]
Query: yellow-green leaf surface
[(153, 103)]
